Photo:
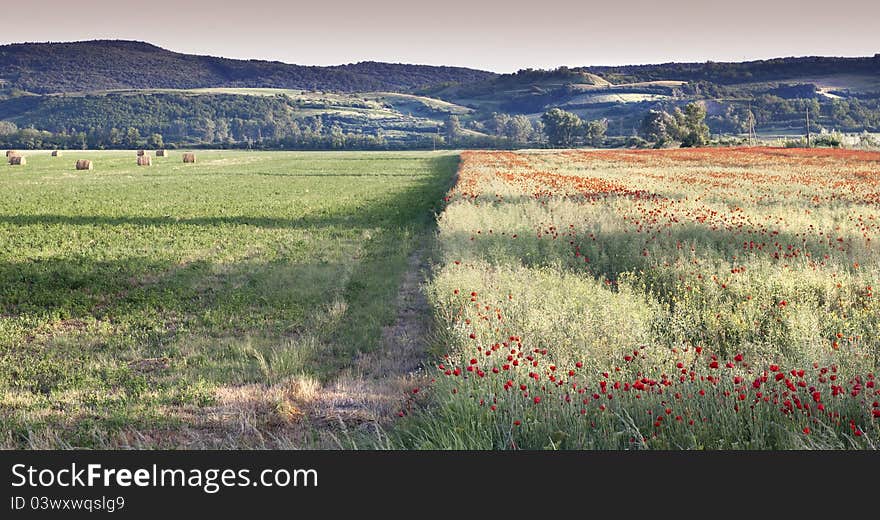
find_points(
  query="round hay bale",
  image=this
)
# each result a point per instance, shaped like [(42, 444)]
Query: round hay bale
[(84, 164), (56, 153), (10, 153), (161, 153), (17, 160), (145, 160), (189, 157), (141, 153)]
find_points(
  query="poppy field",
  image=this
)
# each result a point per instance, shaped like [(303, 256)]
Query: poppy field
[(663, 299)]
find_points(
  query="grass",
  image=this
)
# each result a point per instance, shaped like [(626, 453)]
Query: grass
[(132, 298), (666, 299), (684, 299)]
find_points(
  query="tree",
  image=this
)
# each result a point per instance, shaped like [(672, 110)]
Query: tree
[(221, 131), (8, 128), (561, 127), (538, 131), (594, 132), (132, 138), (659, 128), (452, 128), (694, 131), (115, 137), (337, 137), (155, 141), (499, 123), (518, 129)]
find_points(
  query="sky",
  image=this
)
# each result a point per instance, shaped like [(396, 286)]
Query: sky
[(502, 36)]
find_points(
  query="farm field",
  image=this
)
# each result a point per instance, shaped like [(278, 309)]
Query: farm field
[(669, 299), (204, 305)]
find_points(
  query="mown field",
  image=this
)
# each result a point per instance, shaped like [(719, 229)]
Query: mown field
[(183, 305), (672, 299)]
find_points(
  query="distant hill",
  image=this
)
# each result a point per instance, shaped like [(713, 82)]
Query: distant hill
[(728, 73), (45, 68), (842, 93), (118, 93)]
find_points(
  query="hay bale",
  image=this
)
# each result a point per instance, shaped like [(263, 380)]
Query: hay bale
[(84, 164), (17, 160), (56, 153), (145, 160), (141, 153), (161, 153), (189, 157), (10, 153)]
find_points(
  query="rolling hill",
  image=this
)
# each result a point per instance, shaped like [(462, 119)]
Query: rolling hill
[(44, 68), (88, 93)]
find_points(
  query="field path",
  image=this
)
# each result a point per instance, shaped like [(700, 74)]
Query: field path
[(405, 340), (373, 391)]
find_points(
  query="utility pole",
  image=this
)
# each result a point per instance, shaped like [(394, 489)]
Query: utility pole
[(808, 126), (752, 125)]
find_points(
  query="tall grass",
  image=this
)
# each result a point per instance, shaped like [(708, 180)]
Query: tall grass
[(559, 268)]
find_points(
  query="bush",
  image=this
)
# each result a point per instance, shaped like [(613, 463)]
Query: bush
[(833, 140), (636, 142)]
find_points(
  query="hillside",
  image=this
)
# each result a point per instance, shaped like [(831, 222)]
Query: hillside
[(726, 73), (228, 116), (92, 93), (842, 93), (44, 68)]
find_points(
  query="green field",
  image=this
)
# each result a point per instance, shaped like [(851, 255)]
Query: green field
[(136, 303)]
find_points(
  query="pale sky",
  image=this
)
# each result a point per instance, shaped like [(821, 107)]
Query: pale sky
[(496, 35)]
